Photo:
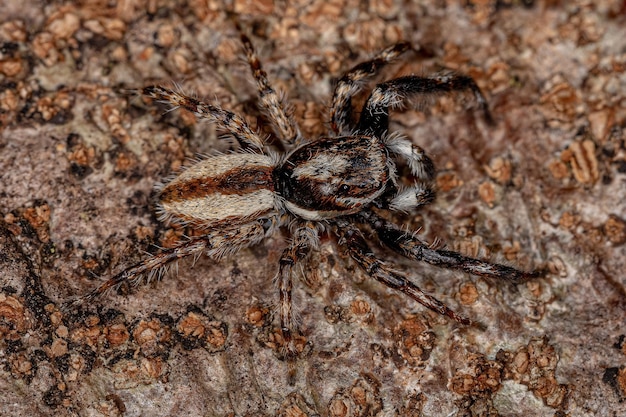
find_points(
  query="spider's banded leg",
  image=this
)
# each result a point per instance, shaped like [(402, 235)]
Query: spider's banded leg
[(411, 198), (395, 93), (214, 244), (224, 119), (421, 165), (411, 247), (422, 168), (352, 82), (358, 250), (148, 267), (304, 239), (282, 121)]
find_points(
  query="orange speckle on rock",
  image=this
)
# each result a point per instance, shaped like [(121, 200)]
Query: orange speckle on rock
[(447, 181), (360, 307), (117, 334), (256, 315), (487, 193), (615, 230), (468, 293)]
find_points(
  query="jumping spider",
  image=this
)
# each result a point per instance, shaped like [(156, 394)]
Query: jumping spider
[(330, 184)]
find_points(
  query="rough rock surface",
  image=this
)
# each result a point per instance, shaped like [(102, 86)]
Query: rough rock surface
[(543, 187)]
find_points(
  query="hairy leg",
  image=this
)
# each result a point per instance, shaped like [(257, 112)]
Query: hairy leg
[(358, 250), (224, 119), (411, 247), (422, 167), (396, 93), (352, 82), (215, 245), (304, 239), (282, 121), (410, 198), (421, 192)]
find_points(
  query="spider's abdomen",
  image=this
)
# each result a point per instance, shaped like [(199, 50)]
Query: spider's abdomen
[(223, 189), (333, 176)]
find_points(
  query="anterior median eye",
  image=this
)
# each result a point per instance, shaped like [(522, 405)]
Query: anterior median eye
[(344, 188)]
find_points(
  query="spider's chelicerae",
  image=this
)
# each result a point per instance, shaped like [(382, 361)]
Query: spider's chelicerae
[(329, 184)]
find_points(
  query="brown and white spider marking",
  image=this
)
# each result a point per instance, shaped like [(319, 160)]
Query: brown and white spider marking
[(329, 184)]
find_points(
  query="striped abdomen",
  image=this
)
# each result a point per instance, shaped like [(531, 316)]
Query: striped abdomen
[(228, 189)]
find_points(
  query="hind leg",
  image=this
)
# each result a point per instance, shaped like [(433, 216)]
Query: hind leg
[(213, 244)]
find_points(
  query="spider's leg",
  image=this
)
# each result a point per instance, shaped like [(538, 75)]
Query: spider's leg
[(214, 244), (352, 82), (224, 119), (279, 115), (351, 237), (408, 245), (421, 192), (421, 165), (304, 239), (410, 198), (395, 93)]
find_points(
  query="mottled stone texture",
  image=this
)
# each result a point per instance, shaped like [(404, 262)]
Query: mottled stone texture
[(544, 186)]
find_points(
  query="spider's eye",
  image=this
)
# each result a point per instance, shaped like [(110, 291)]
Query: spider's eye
[(344, 188)]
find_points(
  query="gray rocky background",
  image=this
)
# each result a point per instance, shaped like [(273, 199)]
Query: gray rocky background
[(543, 187)]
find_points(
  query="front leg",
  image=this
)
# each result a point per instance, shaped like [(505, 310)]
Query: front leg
[(421, 192), (397, 93), (408, 245), (353, 240), (354, 81)]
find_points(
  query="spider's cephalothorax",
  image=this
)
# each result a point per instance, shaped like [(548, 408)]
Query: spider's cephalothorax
[(330, 183)]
